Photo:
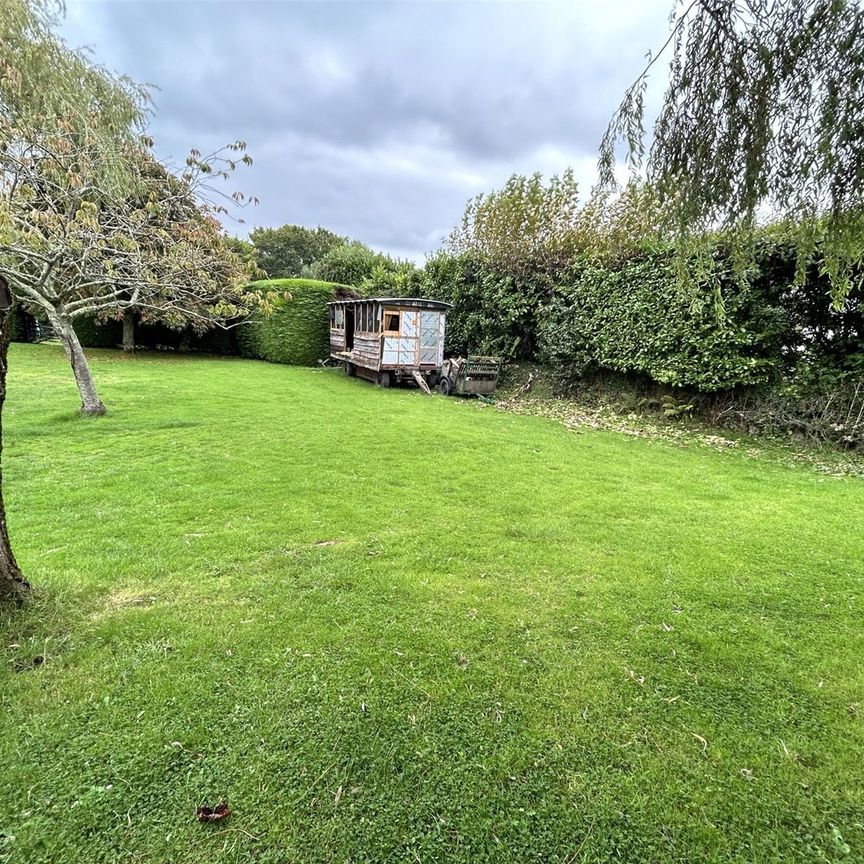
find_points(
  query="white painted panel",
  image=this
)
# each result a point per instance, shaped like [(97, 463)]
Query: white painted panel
[(429, 328), (391, 351), (429, 354), (410, 323)]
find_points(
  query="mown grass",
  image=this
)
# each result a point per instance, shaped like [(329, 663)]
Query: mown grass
[(394, 628)]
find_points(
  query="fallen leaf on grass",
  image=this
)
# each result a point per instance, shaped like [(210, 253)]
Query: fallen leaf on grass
[(213, 814), (701, 740)]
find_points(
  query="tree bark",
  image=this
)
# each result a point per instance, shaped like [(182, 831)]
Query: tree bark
[(129, 331), (13, 586), (91, 404)]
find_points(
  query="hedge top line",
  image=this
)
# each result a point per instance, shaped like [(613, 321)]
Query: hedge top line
[(315, 284), (413, 302)]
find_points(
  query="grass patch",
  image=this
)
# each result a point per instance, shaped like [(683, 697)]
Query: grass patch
[(386, 627)]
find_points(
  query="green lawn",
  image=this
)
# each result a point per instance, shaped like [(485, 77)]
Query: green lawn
[(394, 628)]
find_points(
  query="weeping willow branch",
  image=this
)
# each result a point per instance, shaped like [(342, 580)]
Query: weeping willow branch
[(762, 119)]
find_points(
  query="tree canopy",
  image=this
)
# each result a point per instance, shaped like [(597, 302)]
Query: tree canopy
[(91, 223), (48, 88), (288, 251), (532, 224), (761, 120), (354, 263)]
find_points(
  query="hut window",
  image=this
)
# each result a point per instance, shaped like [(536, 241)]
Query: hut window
[(391, 322)]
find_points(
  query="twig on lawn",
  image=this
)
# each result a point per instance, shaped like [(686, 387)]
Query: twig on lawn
[(414, 684), (241, 830), (572, 856), (317, 780)]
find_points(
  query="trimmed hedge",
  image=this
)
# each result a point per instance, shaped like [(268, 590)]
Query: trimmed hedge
[(98, 334), (494, 312), (632, 316), (637, 319), (296, 332)]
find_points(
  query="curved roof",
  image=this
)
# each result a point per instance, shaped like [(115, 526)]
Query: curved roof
[(417, 302)]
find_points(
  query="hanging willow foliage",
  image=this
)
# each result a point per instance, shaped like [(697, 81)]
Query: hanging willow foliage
[(763, 119)]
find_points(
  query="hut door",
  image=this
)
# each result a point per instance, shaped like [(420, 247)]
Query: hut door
[(349, 328), (409, 334), (431, 342)]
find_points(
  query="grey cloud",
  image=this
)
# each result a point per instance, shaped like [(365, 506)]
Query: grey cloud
[(378, 120)]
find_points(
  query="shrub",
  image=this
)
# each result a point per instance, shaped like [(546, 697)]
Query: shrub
[(296, 332), (365, 270), (156, 336)]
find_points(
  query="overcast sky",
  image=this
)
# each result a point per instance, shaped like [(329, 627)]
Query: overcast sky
[(378, 120)]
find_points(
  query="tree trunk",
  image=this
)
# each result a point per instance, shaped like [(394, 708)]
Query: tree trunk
[(13, 586), (91, 404), (129, 331)]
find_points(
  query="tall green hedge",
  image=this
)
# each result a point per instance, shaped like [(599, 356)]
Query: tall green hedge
[(494, 311), (296, 331), (633, 316), (637, 318)]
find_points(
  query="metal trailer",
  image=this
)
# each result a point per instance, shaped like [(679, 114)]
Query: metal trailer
[(472, 376), (389, 339)]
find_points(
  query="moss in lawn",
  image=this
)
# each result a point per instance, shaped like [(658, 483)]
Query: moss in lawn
[(524, 644)]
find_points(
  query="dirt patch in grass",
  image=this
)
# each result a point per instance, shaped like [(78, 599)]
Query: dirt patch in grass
[(120, 600)]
